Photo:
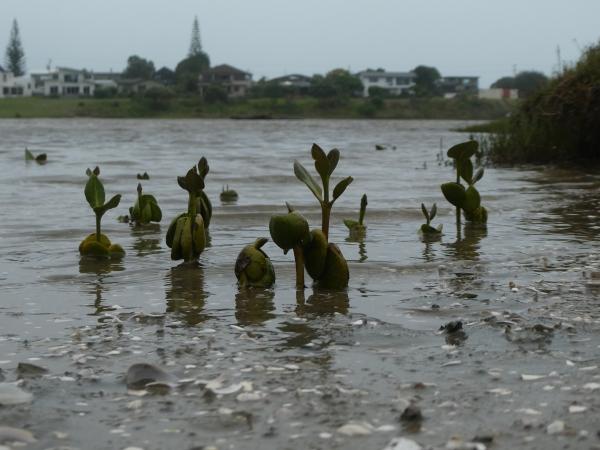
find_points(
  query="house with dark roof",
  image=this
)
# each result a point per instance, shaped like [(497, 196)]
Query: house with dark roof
[(395, 83), (455, 85), (234, 81), (11, 86)]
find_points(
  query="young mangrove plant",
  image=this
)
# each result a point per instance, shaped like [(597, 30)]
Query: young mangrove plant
[(228, 195), (42, 158), (290, 232), (145, 209), (143, 176), (98, 244), (253, 267), (426, 229), (358, 229), (325, 165), (467, 199), (325, 262), (187, 236)]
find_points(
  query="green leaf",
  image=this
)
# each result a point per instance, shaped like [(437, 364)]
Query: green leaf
[(350, 224), (156, 212), (341, 187), (463, 150), (96, 171), (433, 212), (472, 199), (465, 170), (363, 209), (303, 175), (29, 156), (454, 193), (321, 162), (182, 183), (478, 175), (112, 203), (203, 167), (425, 212), (333, 156), (88, 172), (193, 181), (94, 192)]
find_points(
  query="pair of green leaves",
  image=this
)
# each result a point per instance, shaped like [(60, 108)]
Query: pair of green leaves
[(146, 208), (467, 199), (95, 196), (325, 164), (429, 214), (193, 181), (40, 159)]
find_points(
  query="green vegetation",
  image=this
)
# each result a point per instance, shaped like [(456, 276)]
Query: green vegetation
[(559, 123), (426, 229), (187, 234), (228, 195), (42, 158), (358, 229), (98, 244), (15, 55), (526, 82), (253, 267), (170, 106), (145, 209), (468, 200)]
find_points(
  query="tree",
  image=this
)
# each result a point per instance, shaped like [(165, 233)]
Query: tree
[(165, 76), (187, 72), (426, 81), (526, 82), (139, 68), (195, 43), (15, 56), (337, 83)]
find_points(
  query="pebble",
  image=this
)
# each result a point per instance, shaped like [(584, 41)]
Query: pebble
[(356, 429), (401, 443), (412, 413), (574, 409), (591, 386), (526, 377), (13, 395), (27, 370), (459, 444), (10, 434), (140, 375), (556, 427)]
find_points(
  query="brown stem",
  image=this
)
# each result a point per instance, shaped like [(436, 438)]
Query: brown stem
[(98, 218), (299, 258)]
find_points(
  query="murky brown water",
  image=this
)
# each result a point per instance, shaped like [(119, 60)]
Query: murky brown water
[(293, 369)]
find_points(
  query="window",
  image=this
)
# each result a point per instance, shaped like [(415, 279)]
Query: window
[(373, 79), (71, 78), (5, 91), (53, 90), (72, 90), (86, 90)]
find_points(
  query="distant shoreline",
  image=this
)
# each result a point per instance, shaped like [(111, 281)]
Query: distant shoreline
[(254, 108)]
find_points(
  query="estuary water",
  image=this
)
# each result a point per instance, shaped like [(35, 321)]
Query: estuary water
[(281, 369)]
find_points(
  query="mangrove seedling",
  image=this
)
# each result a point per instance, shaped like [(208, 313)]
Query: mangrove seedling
[(467, 199), (325, 165), (253, 267), (143, 176), (325, 263), (145, 209), (42, 158), (186, 236), (358, 228), (290, 232), (98, 244), (228, 195), (426, 229)]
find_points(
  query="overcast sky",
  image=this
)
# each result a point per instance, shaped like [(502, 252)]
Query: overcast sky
[(274, 37)]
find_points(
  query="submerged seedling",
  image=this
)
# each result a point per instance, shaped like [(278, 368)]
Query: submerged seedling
[(467, 199), (98, 244), (426, 229), (325, 165), (42, 158), (187, 234), (290, 232), (228, 195), (145, 209), (358, 228), (253, 267)]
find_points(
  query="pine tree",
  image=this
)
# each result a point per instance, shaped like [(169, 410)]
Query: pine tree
[(195, 44), (15, 56)]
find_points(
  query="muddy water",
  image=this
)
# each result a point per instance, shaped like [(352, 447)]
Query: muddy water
[(278, 369)]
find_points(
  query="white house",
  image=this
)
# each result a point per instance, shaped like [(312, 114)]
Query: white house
[(63, 81), (11, 86), (395, 83)]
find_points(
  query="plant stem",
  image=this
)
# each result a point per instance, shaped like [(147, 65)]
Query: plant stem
[(98, 217), (325, 213), (299, 258), (457, 208), (192, 205)]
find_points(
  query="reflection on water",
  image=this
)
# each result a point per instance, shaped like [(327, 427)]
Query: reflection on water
[(101, 268), (254, 306), (147, 238), (362, 246), (146, 246), (322, 302), (467, 246), (185, 293)]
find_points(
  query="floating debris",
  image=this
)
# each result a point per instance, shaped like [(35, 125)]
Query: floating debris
[(354, 428), (401, 443), (27, 370), (141, 375), (556, 427), (10, 435)]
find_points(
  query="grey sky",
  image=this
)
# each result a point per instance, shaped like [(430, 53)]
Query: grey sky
[(274, 37)]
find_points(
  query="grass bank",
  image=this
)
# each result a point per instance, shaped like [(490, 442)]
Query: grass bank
[(558, 124), (193, 107)]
